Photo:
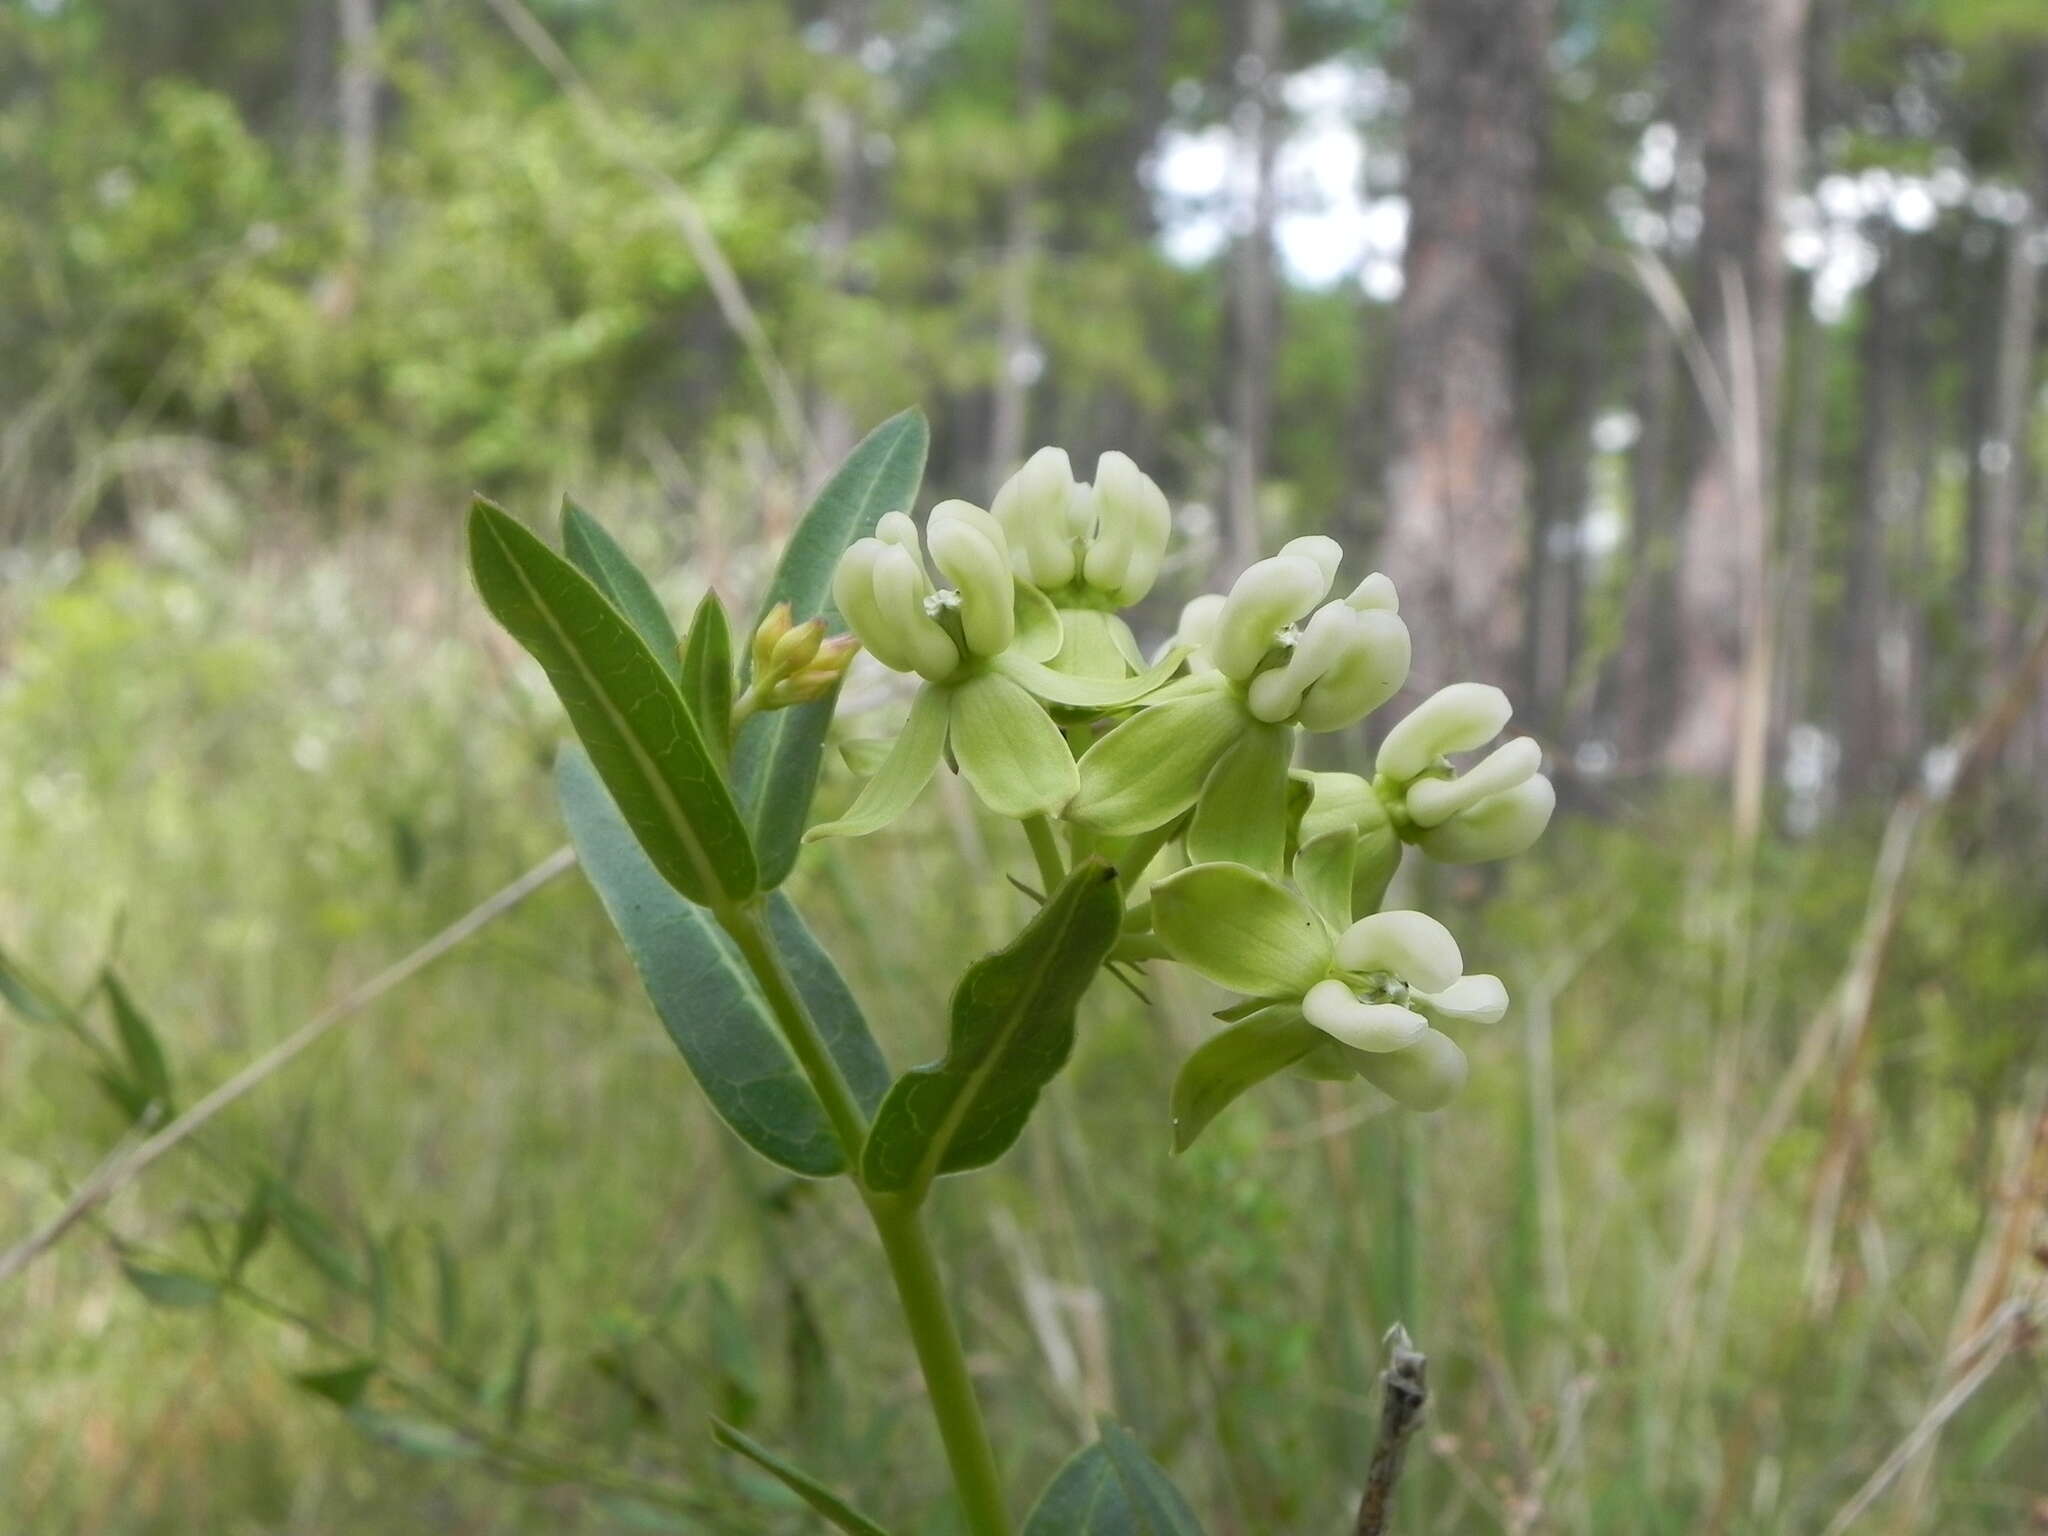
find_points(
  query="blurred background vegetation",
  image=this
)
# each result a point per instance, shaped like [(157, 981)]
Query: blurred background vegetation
[(1682, 364)]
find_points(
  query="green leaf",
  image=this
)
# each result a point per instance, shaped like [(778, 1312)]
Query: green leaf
[(252, 1227), (1152, 766), (903, 774), (1009, 750), (707, 674), (1241, 929), (612, 571), (1324, 869), (1013, 1025), (315, 1239), (26, 995), (624, 707), (343, 1385), (1241, 817), (1111, 1489), (801, 1483), (508, 1390), (1234, 1059), (708, 1000), (775, 760), (1089, 692), (172, 1287), (149, 1072), (416, 1437), (447, 1288)]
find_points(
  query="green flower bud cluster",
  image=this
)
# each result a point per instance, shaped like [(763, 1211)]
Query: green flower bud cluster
[(1033, 686)]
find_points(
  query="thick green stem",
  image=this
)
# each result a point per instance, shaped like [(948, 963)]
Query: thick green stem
[(1045, 848), (915, 1270), (912, 1265)]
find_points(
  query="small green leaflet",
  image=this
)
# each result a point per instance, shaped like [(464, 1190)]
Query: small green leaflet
[(1111, 1489), (1234, 1059), (775, 760), (622, 704), (172, 1287), (801, 1483), (149, 1073), (1013, 1026), (611, 570), (707, 999), (707, 674), (343, 1385)]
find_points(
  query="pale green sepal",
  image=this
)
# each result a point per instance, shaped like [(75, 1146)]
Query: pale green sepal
[(1040, 632), (1324, 871), (1233, 1060), (1329, 1062), (1089, 692), (1379, 856), (1241, 815), (1241, 929), (1097, 644), (907, 769), (1151, 767), (1008, 749)]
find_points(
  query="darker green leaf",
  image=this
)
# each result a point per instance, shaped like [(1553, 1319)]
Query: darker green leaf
[(1013, 1025), (343, 1385), (315, 1239), (1111, 1489), (799, 1482), (611, 570), (508, 1390), (708, 1000), (172, 1287), (149, 1073), (624, 707), (252, 1228), (775, 761), (1232, 1060), (416, 1437), (28, 996), (707, 674)]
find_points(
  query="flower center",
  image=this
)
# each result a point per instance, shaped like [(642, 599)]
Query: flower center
[(940, 601)]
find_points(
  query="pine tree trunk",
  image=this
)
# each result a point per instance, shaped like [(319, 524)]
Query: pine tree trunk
[(1254, 314), (1458, 478), (1017, 361)]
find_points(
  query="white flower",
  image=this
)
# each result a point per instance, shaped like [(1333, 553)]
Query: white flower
[(887, 596), (1108, 537), (1496, 808)]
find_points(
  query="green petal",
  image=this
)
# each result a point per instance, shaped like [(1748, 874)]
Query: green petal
[(1229, 1062), (1150, 768), (1323, 870), (907, 769), (1241, 817), (1089, 692), (1009, 750), (1241, 929), (1040, 633)]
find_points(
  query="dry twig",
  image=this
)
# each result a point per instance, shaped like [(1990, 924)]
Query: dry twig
[(1404, 1393)]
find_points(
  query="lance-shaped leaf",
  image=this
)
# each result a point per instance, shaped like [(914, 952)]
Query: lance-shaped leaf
[(1013, 1025), (624, 707), (1229, 1062), (1111, 1489), (707, 674), (905, 770), (775, 760), (148, 1076), (708, 1000), (801, 1483), (611, 570)]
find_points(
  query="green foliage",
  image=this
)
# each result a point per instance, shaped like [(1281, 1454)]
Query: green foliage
[(709, 1004), (707, 675), (1234, 1059), (814, 1493), (1012, 1030), (630, 717), (611, 570), (1112, 1488)]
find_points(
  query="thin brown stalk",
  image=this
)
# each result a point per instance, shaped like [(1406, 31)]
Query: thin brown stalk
[(1404, 1393)]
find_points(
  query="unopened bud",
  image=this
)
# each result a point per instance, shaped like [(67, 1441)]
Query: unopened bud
[(1453, 719), (793, 652), (1032, 507), (774, 625)]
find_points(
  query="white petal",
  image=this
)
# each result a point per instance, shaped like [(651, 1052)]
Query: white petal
[(1032, 506), (1375, 594), (1268, 597), (1198, 627), (1425, 1076), (1433, 801), (901, 587), (967, 544), (1477, 999), (1371, 671), (1275, 694), (1497, 828), (1132, 522), (1363, 1026), (1325, 553), (853, 593), (1412, 945), (1453, 719)]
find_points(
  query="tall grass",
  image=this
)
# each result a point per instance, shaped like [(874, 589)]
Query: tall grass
[(247, 777)]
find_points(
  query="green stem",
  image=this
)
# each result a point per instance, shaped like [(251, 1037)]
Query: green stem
[(915, 1269), (1139, 853), (1045, 848), (912, 1265)]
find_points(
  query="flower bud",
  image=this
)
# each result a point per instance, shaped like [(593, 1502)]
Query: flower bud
[(1132, 521), (1453, 719), (1434, 801), (1197, 628), (1320, 550), (1498, 827), (793, 651), (1268, 597), (1369, 671), (1375, 594), (768, 634), (1362, 1025), (1032, 506), (881, 587), (968, 546)]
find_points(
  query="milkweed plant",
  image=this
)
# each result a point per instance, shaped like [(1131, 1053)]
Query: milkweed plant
[(1158, 797)]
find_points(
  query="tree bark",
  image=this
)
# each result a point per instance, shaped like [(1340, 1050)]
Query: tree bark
[(1457, 477), (1017, 362), (356, 101), (1254, 317), (1753, 78)]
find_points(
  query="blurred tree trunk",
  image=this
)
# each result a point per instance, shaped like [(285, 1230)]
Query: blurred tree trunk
[(1457, 475), (1254, 316), (356, 101), (1751, 59), (842, 132), (1859, 694), (1018, 362), (1799, 492)]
